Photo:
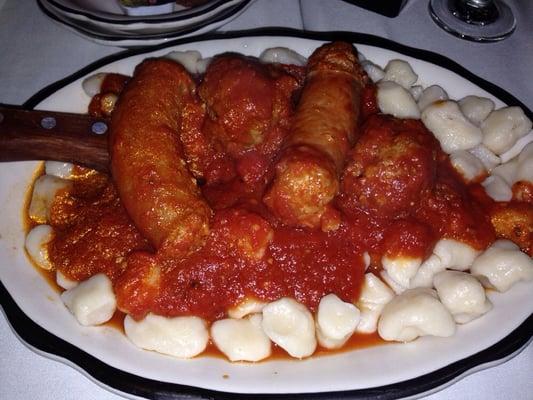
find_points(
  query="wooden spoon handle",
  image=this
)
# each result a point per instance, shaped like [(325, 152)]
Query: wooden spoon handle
[(45, 135)]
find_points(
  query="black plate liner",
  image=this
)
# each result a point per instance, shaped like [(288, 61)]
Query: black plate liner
[(165, 35), (153, 19), (39, 338)]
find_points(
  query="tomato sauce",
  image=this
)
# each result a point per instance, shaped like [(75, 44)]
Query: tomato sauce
[(396, 209), (251, 253)]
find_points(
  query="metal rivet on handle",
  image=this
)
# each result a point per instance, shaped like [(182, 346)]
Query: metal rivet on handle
[(99, 128), (48, 122)]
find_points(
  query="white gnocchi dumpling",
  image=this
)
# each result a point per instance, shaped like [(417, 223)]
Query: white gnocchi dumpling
[(507, 171), (401, 269), (290, 325), (395, 286), (447, 253), (451, 128), (504, 127), (395, 100), (189, 59), (60, 169), (414, 313), (400, 71), (497, 189), (203, 63), (469, 166), (92, 84), (524, 167), (282, 55), (425, 274), (374, 72), (502, 265), (241, 339), (454, 254), (518, 147), (374, 295), (65, 282), (92, 301), (462, 294), (336, 321), (487, 157), (416, 91), (45, 189), (476, 108), (249, 305), (36, 245), (182, 337), (431, 95)]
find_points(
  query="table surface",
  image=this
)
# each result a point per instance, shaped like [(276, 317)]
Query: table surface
[(37, 52)]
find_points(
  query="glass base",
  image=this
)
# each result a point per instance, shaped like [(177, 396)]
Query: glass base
[(445, 14)]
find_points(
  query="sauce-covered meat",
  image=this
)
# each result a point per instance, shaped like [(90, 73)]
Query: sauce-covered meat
[(387, 189), (324, 128), (93, 232), (249, 106), (244, 256), (391, 166)]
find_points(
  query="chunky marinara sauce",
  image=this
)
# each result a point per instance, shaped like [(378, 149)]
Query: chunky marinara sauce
[(399, 195)]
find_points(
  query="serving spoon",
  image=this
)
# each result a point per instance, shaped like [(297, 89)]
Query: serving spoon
[(48, 135)]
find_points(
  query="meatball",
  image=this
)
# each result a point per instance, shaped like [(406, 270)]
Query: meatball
[(452, 213), (249, 105), (244, 234), (389, 168)]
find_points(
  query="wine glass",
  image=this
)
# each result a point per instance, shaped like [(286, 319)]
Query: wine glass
[(476, 20)]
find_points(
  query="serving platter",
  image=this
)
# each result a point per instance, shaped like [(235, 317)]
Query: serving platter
[(38, 316), (134, 31), (112, 12)]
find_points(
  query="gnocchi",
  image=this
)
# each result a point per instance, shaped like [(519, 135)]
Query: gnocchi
[(374, 296), (241, 339), (502, 265), (400, 71), (476, 108), (336, 321), (452, 129), (414, 313), (182, 337), (430, 95), (462, 295), (92, 302), (45, 190), (503, 127), (36, 245), (291, 326), (396, 100)]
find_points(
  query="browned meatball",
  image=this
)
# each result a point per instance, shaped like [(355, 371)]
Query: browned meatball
[(249, 105), (391, 165)]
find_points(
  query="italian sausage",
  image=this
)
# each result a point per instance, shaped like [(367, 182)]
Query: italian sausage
[(147, 161), (323, 130)]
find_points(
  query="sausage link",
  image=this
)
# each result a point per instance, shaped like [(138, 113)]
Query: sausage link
[(147, 160), (328, 111), (323, 130)]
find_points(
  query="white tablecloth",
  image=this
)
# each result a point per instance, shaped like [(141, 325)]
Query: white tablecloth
[(36, 52)]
